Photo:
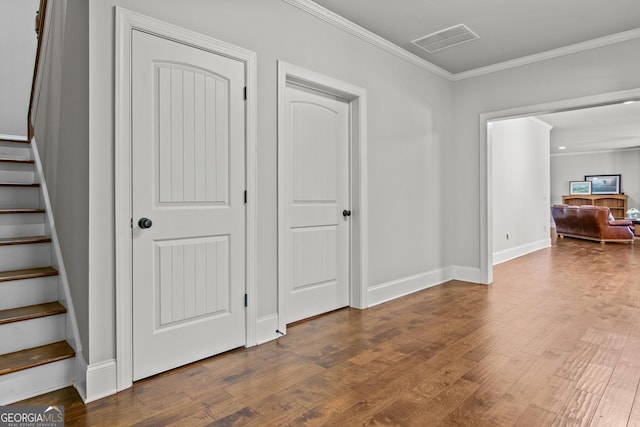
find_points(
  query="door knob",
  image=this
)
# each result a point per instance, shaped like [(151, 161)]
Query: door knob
[(346, 213), (145, 223)]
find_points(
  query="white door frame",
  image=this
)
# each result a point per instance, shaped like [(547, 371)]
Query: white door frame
[(486, 154), (126, 22), (358, 251)]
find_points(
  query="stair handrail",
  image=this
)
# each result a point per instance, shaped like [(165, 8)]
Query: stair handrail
[(41, 18)]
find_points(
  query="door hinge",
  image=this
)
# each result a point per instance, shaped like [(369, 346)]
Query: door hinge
[(245, 197), (245, 93), (246, 300), (131, 225)]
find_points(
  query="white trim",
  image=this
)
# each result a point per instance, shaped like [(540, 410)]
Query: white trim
[(13, 137), (512, 253), (359, 255), (486, 168), (550, 54), (466, 274), (267, 328), (366, 35), (540, 122), (81, 378), (126, 22), (72, 332), (344, 24), (101, 380), (585, 153), (388, 291)]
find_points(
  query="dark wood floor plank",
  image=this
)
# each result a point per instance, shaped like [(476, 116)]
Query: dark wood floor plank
[(554, 341)]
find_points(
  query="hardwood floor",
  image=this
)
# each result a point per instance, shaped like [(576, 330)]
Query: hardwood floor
[(554, 341)]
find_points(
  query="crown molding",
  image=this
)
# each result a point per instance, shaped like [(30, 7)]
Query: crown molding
[(540, 122), (384, 44), (550, 54), (366, 35), (585, 153)]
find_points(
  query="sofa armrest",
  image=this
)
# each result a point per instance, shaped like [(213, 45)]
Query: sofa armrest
[(620, 222)]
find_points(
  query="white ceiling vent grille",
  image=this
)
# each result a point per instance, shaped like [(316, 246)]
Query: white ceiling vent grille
[(445, 38)]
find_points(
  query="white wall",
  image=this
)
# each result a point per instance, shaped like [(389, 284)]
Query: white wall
[(573, 167), (520, 187), (409, 126), (18, 51), (61, 130), (603, 70)]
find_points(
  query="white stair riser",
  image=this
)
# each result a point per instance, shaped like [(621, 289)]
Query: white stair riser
[(15, 150), (36, 381), (18, 225), (16, 197), (18, 257), (17, 173), (18, 336), (22, 293)]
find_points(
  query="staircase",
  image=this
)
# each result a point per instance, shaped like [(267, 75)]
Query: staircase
[(34, 355)]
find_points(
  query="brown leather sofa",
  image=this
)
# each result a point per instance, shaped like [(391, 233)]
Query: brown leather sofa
[(591, 223)]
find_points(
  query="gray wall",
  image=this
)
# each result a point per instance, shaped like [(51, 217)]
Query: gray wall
[(423, 170), (62, 135), (18, 52), (607, 69), (520, 182), (573, 167), (409, 126)]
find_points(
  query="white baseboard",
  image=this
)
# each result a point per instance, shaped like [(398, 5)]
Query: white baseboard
[(466, 274), (509, 254), (101, 380), (81, 377), (398, 288), (266, 328)]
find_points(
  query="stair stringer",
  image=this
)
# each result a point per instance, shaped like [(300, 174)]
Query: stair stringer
[(78, 372)]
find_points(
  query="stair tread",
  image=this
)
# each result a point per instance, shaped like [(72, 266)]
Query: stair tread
[(17, 211), (6, 241), (16, 160), (19, 141), (29, 273), (17, 184), (31, 312), (36, 356)]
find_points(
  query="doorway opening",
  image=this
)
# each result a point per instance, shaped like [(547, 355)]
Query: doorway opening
[(486, 159)]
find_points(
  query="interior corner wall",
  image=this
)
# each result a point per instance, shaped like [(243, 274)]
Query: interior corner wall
[(574, 167), (18, 51), (521, 174), (409, 127), (61, 131), (603, 70)]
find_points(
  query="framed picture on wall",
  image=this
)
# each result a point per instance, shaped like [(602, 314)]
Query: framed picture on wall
[(580, 187), (604, 184)]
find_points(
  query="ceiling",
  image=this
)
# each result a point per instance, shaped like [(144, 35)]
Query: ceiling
[(609, 127), (508, 29)]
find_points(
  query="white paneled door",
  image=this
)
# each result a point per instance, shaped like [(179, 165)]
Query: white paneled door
[(188, 142), (317, 202)]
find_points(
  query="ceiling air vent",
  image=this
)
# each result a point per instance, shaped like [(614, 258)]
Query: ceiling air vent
[(445, 38)]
